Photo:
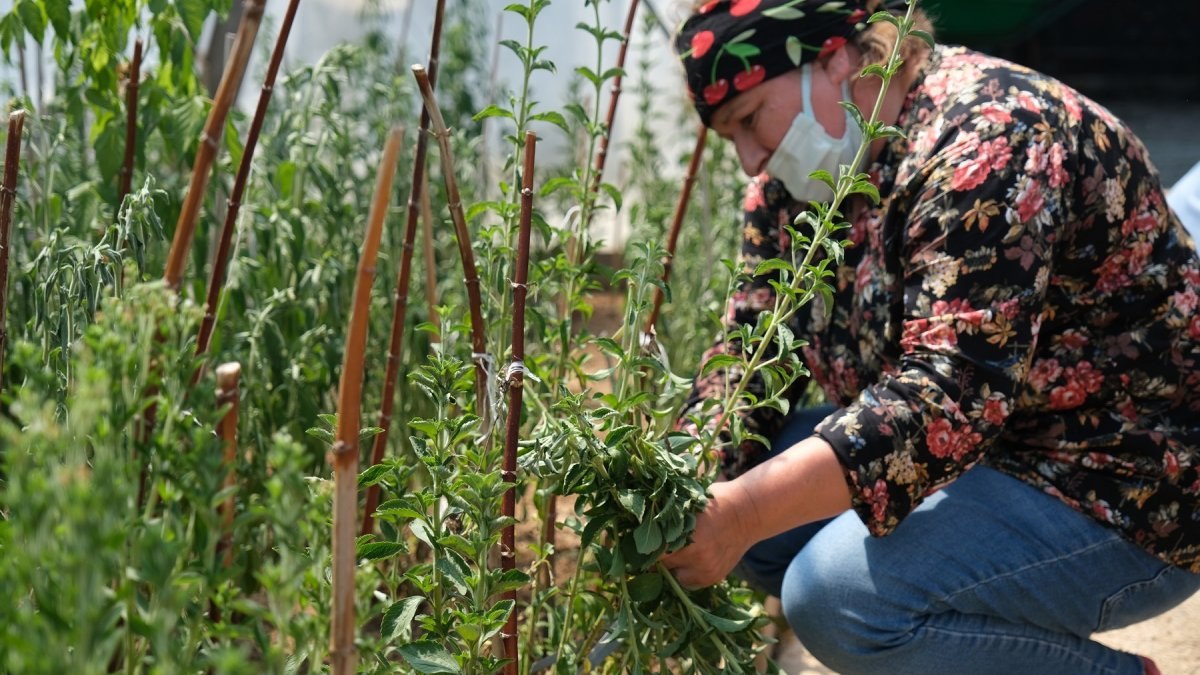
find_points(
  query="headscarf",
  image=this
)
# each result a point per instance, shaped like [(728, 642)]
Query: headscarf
[(729, 46)]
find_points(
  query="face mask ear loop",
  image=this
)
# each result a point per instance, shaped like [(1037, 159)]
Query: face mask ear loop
[(806, 72)]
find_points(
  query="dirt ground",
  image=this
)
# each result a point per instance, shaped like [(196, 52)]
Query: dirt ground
[(1171, 640)]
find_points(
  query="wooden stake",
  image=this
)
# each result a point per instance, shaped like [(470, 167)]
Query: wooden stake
[(400, 297), (230, 82), (677, 222), (611, 118), (8, 195), (478, 328), (220, 263), (227, 394), (344, 455), (508, 546), (131, 106), (431, 298)]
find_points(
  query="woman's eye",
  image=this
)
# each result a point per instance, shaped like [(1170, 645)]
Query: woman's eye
[(748, 121)]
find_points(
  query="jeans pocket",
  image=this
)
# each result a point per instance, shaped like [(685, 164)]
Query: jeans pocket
[(1146, 599)]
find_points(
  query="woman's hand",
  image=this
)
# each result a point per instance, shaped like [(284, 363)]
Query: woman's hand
[(723, 534)]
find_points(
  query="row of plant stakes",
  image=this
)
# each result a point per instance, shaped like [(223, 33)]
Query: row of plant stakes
[(153, 520)]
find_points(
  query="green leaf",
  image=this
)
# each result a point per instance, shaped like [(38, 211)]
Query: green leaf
[(427, 656), (510, 580), (646, 587), (923, 35), (552, 117), (33, 18), (59, 13), (492, 111), (884, 15), (647, 537), (373, 475), (634, 502), (398, 618), (193, 13), (380, 550), (420, 530), (772, 265), (726, 625), (719, 361)]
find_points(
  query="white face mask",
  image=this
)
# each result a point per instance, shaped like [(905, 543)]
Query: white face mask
[(807, 147)]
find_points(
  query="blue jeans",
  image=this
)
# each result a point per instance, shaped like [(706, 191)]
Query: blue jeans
[(989, 575)]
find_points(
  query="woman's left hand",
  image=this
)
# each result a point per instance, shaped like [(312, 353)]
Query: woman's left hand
[(722, 536)]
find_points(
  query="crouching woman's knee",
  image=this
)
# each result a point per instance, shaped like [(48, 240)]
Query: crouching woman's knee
[(834, 608)]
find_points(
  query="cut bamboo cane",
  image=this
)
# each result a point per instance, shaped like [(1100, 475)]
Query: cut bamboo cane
[(131, 106), (227, 394), (231, 81), (8, 195), (681, 207), (344, 456), (478, 329), (611, 118), (508, 546), (400, 297), (431, 298), (220, 263)]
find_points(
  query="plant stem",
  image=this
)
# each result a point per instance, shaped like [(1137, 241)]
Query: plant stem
[(508, 547), (417, 187), (231, 80), (345, 451), (462, 235), (681, 207), (221, 260), (785, 307), (8, 195), (131, 106)]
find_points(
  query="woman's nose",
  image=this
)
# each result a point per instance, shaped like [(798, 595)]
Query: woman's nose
[(751, 154)]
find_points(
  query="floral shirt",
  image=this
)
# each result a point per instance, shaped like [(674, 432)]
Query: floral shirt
[(1022, 297)]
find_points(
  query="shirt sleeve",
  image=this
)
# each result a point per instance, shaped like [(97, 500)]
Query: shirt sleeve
[(976, 240), (767, 209)]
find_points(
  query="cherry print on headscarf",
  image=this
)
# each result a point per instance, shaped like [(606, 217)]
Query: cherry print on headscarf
[(765, 38), (831, 45), (743, 7), (748, 78)]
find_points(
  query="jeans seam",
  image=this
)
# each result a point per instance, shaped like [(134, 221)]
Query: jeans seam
[(1107, 606), (1040, 563), (1019, 638)]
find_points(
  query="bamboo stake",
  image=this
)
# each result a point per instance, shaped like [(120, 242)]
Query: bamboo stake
[(478, 328), (220, 264), (230, 82), (131, 106), (602, 153), (430, 262), (344, 455), (8, 195), (508, 546), (400, 296), (227, 394), (681, 207)]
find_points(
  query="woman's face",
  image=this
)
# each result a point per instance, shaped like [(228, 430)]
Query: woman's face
[(757, 120)]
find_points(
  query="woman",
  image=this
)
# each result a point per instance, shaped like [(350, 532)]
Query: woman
[(1013, 352)]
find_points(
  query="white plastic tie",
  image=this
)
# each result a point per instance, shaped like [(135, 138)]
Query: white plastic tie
[(519, 367)]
